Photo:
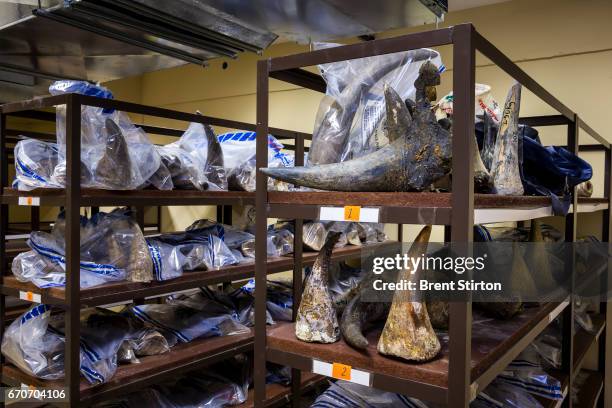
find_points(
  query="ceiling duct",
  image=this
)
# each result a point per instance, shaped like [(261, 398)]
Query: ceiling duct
[(102, 40), (187, 30)]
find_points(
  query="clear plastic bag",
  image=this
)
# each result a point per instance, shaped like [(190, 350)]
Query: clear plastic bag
[(367, 233), (200, 141), (314, 235), (30, 346), (35, 162), (186, 171), (239, 159), (344, 393), (168, 261), (35, 343), (190, 319), (201, 390), (206, 390), (112, 249), (232, 236), (32, 267), (278, 374), (279, 306), (115, 154), (582, 317), (279, 243), (534, 381), (344, 281), (510, 395), (353, 107), (117, 239), (381, 235), (202, 248)]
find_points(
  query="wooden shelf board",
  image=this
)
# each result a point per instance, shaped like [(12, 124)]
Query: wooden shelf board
[(491, 339), (99, 197)]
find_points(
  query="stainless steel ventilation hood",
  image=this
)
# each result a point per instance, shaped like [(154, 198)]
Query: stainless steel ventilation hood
[(102, 40)]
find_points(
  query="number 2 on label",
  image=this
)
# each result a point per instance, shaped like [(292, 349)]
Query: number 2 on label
[(341, 371), (351, 212)]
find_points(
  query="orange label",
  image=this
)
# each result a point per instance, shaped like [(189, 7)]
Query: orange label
[(29, 296), (341, 371), (351, 212), (29, 200)]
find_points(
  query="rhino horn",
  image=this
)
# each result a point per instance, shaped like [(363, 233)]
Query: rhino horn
[(408, 333), (411, 162)]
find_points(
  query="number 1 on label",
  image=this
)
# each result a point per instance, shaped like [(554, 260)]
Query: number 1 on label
[(352, 212)]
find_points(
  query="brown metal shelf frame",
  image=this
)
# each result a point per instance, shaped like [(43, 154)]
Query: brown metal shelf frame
[(460, 384), (72, 198)]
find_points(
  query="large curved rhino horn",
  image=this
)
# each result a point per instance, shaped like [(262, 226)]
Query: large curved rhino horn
[(412, 162)]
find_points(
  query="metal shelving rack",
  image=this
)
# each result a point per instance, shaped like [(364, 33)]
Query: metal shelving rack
[(471, 359), (72, 298)]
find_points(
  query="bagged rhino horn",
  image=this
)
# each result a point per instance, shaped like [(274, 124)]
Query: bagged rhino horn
[(408, 333), (412, 162), (336, 118), (316, 319), (505, 166)]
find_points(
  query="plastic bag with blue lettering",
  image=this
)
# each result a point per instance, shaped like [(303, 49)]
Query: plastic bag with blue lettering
[(347, 394), (32, 348), (112, 249), (526, 372), (168, 261), (101, 334), (195, 390), (239, 160), (115, 154), (35, 162), (510, 396), (42, 265), (232, 236), (42, 271), (279, 304), (190, 319), (200, 141), (350, 118), (534, 381), (201, 248)]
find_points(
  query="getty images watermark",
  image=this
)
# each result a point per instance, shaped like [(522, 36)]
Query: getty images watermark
[(458, 265), (489, 271)]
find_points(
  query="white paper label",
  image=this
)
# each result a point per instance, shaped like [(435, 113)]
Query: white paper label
[(29, 201), (30, 296), (327, 369), (366, 214)]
